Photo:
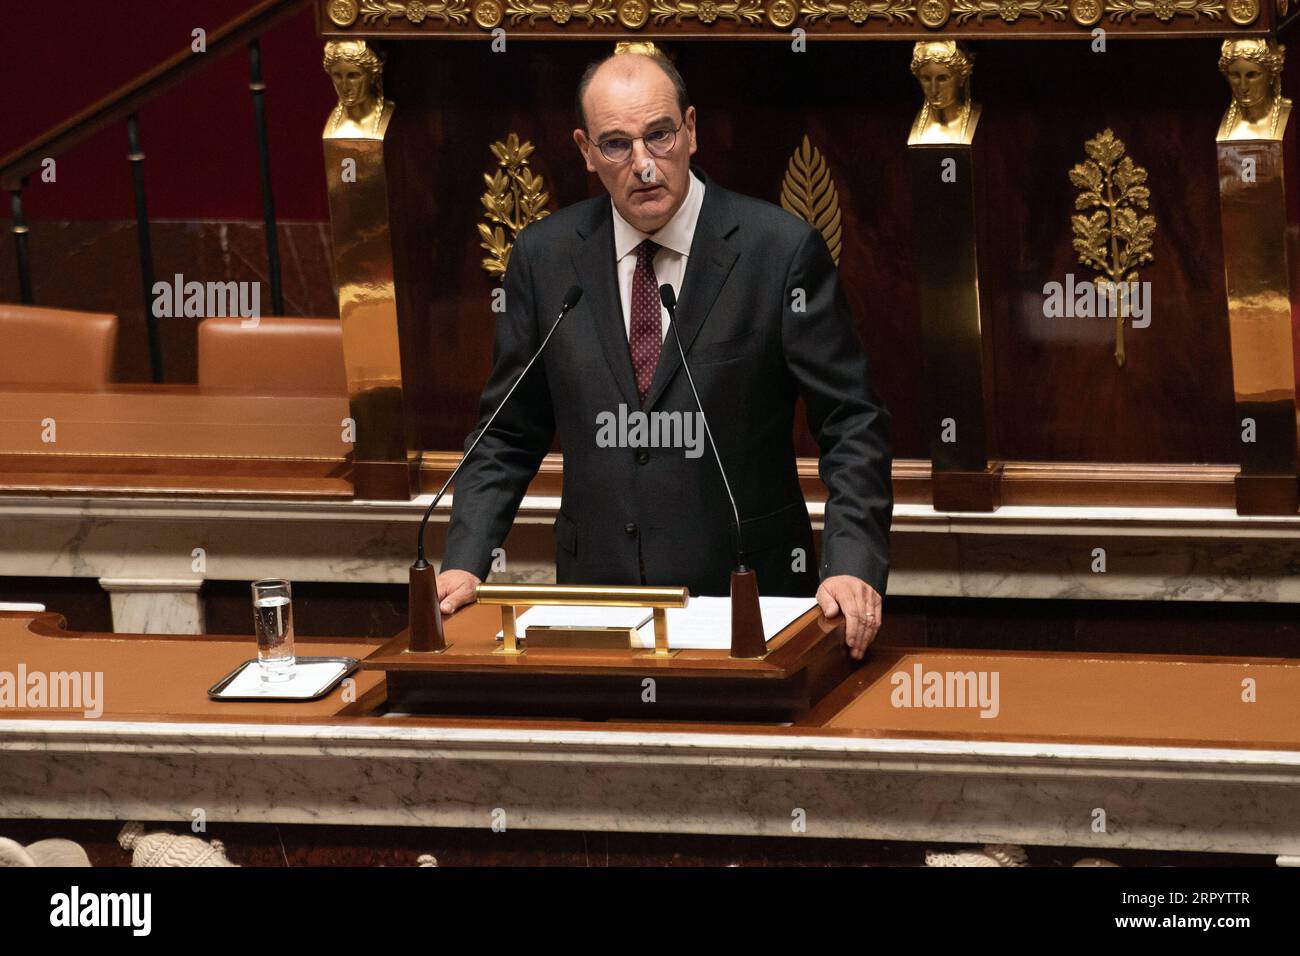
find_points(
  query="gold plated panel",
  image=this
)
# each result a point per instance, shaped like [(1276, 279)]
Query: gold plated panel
[(357, 184)]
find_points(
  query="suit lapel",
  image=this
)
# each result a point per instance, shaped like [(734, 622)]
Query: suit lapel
[(593, 259), (707, 268)]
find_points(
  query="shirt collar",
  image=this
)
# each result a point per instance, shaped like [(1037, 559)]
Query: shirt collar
[(675, 234)]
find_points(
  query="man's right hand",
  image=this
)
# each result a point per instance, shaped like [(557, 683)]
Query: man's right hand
[(456, 589)]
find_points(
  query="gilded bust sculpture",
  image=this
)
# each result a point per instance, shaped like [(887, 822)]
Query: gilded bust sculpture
[(357, 73), (943, 69), (1253, 69)]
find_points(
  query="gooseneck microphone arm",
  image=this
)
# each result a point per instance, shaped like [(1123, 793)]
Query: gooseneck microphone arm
[(570, 300), (669, 299)]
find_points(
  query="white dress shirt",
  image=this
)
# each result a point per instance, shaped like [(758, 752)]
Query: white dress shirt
[(674, 238)]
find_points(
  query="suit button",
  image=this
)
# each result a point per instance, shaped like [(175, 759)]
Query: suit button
[(630, 529), (642, 457)]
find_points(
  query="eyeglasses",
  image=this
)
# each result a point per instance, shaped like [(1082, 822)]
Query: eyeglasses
[(659, 142)]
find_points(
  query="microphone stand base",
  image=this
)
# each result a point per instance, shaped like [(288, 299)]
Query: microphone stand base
[(425, 615), (747, 639)]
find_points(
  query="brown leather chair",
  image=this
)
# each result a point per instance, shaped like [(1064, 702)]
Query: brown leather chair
[(277, 356), (56, 347)]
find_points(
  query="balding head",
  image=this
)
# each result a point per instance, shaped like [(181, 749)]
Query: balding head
[(629, 63), (626, 97)]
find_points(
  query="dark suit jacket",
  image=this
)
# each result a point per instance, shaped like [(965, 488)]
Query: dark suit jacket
[(653, 515)]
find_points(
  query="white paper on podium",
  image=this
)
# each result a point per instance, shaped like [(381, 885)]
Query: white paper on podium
[(705, 622), (580, 615)]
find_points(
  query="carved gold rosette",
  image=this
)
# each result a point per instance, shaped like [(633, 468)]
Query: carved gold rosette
[(515, 197), (809, 192), (1086, 13)]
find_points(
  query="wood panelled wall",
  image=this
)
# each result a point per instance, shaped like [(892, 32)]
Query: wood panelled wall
[(1057, 394)]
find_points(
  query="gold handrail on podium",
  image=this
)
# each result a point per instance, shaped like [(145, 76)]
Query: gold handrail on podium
[(511, 595)]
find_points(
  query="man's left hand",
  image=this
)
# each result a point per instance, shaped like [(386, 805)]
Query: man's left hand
[(859, 603)]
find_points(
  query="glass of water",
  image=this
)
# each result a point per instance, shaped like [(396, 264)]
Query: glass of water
[(273, 619)]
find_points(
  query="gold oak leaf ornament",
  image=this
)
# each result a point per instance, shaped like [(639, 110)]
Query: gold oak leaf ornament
[(809, 192), (515, 197), (1114, 239)]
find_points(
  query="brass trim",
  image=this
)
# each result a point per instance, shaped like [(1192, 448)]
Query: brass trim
[(509, 596), (600, 595)]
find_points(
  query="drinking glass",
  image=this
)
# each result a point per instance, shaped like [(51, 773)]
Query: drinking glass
[(273, 620)]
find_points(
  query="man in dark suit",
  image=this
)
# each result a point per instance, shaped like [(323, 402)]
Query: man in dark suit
[(763, 320)]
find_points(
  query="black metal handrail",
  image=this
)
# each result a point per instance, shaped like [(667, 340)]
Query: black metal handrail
[(124, 105)]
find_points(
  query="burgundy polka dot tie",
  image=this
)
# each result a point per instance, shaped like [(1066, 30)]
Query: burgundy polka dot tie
[(646, 331)]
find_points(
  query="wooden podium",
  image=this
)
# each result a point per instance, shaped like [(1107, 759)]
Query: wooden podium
[(474, 675)]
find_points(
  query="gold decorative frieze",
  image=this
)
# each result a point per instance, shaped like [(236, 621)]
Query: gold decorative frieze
[(1163, 10), (515, 197), (561, 12), (1114, 239), (809, 192), (858, 11), (414, 11), (785, 14), (1008, 10), (707, 11)]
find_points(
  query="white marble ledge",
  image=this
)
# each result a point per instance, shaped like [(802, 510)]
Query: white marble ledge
[(650, 748), (541, 509)]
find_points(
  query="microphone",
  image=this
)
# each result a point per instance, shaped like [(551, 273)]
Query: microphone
[(424, 611), (747, 638)]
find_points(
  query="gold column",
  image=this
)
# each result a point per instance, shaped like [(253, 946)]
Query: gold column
[(363, 261), (943, 211), (1252, 203)]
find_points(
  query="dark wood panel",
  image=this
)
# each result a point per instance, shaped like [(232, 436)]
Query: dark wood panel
[(1057, 393)]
